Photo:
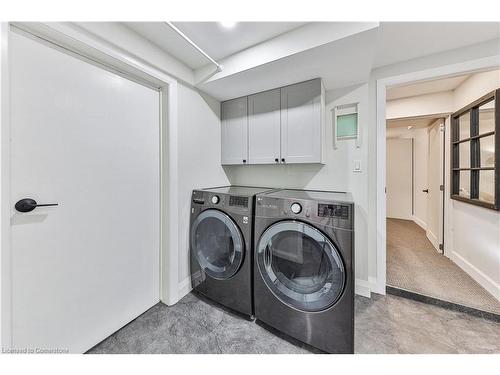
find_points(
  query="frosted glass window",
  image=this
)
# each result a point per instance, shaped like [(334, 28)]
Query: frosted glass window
[(464, 157), (347, 126), (487, 186), (487, 149), (464, 187), (487, 117), (464, 126)]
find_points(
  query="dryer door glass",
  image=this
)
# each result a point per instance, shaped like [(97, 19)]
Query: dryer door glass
[(217, 244), (300, 265)]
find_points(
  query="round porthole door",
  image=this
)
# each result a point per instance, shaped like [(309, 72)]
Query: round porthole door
[(217, 244), (300, 265)]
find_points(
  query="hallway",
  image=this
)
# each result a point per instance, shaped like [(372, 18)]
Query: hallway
[(413, 264)]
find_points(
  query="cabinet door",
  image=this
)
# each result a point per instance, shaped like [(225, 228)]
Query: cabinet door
[(301, 122), (234, 131), (264, 127)]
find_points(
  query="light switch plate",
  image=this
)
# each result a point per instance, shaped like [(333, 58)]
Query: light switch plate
[(357, 165)]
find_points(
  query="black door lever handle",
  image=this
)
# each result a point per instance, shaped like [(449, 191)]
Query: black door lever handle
[(425, 191), (28, 204)]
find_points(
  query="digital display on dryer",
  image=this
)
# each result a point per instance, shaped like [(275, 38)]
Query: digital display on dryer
[(333, 210)]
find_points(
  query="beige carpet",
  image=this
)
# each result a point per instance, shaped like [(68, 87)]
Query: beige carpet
[(414, 264)]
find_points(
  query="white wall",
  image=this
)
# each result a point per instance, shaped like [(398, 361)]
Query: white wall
[(476, 230), (474, 240), (420, 152), (336, 174), (199, 161)]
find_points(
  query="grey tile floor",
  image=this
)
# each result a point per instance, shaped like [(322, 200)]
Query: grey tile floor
[(383, 324)]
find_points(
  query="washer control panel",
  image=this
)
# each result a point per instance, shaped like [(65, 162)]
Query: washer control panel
[(333, 210), (296, 208)]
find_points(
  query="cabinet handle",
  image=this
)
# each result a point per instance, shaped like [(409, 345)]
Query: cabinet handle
[(282, 160), (277, 160), (244, 160)]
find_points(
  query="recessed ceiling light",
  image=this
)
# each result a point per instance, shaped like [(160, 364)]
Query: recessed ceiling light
[(228, 25)]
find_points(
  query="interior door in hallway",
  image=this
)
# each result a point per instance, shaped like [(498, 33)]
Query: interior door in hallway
[(435, 198), (88, 140), (399, 178)]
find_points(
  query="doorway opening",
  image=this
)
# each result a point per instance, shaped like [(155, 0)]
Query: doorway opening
[(421, 260)]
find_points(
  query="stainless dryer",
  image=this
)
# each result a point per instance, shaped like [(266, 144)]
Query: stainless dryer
[(304, 266), (221, 245)]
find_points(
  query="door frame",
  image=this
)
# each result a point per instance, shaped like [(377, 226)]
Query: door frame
[(445, 71), (441, 122), (99, 52)]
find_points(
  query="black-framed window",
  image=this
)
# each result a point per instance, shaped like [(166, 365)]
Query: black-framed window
[(475, 152)]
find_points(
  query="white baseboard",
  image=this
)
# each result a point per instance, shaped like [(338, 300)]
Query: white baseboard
[(362, 288), (483, 280), (184, 287), (433, 239), (375, 287), (419, 222)]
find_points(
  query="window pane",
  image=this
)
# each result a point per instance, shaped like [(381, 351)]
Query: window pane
[(347, 126), (486, 186), (464, 154), (487, 117), (487, 147), (464, 126), (464, 187)]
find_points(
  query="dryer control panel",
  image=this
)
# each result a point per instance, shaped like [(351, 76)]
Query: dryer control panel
[(333, 210)]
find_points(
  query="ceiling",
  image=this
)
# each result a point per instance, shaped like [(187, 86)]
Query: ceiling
[(219, 42), (427, 87), (340, 63), (416, 122), (165, 38), (399, 127), (400, 41), (256, 56)]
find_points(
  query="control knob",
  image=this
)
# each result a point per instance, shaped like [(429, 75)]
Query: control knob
[(296, 208)]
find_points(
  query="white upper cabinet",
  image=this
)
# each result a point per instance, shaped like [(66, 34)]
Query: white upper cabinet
[(234, 131), (264, 144), (302, 122), (284, 125)]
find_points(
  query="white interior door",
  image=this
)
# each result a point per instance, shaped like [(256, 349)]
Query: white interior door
[(399, 178), (435, 180), (88, 140)]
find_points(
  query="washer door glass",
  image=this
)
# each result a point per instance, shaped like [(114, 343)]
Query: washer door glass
[(300, 265), (217, 244)]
